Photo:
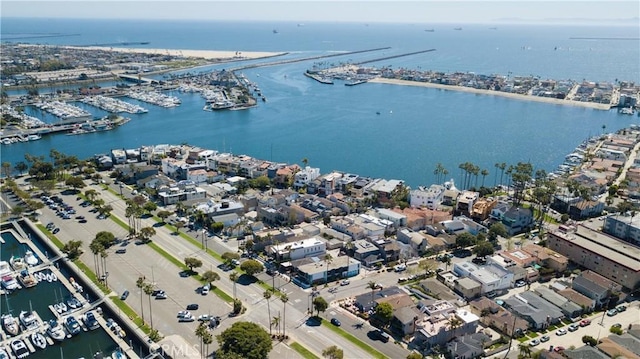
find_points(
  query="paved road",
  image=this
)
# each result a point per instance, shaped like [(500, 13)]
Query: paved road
[(139, 260)]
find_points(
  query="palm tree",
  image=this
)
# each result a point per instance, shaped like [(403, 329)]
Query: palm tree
[(525, 350), (276, 323), (454, 323), (373, 286), (96, 248), (140, 284), (502, 167), (201, 332), (284, 298), (148, 289), (233, 276), (484, 174), (328, 259), (267, 296), (103, 256)]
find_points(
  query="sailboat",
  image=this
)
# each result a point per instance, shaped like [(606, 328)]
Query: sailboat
[(9, 322)]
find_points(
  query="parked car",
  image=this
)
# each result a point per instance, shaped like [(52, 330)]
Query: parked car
[(124, 295), (186, 318), (520, 283), (204, 317), (558, 349), (534, 342), (121, 251), (585, 322), (561, 331), (621, 309), (611, 312), (573, 327), (345, 282), (193, 307), (204, 290), (617, 325), (335, 322), (381, 335), (55, 230), (544, 338)]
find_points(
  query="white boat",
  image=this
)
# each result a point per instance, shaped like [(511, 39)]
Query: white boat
[(27, 279), (72, 325), (31, 258), (4, 268), (90, 321), (73, 303), (28, 319), (10, 324), (34, 137), (38, 340), (10, 283), (20, 349), (48, 277), (54, 277), (56, 331), (17, 263), (117, 354)]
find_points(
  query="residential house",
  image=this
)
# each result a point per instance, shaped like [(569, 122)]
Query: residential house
[(482, 208), (584, 352), (493, 315), (625, 346), (313, 270), (398, 219), (436, 329), (427, 197), (538, 312), (305, 176), (623, 226), (310, 247), (517, 220), (465, 203), (366, 302), (284, 175), (468, 287), (404, 319), (418, 241), (587, 304), (468, 346), (492, 277), (180, 192), (436, 289), (547, 257), (366, 252), (569, 308), (499, 210)]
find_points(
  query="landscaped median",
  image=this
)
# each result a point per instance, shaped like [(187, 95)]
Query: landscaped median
[(306, 354), (359, 343)]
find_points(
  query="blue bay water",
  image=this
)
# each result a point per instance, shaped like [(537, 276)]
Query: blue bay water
[(336, 127)]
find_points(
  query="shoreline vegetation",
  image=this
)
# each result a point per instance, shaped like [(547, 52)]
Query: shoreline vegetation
[(593, 105)]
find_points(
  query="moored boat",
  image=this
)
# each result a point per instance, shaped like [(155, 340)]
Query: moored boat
[(17, 263), (38, 340), (20, 349), (10, 324), (72, 325), (31, 258), (56, 331), (28, 319), (90, 321), (27, 279)]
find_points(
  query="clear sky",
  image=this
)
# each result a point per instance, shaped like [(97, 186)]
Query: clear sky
[(423, 11)]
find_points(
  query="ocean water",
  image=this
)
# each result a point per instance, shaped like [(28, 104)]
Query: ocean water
[(336, 127)]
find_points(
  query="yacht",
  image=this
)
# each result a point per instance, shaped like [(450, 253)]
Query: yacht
[(27, 279), (34, 137), (60, 307), (10, 283), (90, 321), (10, 324), (28, 319), (56, 331), (17, 263), (72, 325), (20, 349), (74, 303), (38, 340), (4, 268), (31, 258)]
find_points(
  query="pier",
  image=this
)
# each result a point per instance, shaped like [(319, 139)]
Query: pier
[(394, 56), (137, 79)]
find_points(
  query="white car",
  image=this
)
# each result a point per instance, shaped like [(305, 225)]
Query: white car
[(345, 282), (187, 318), (205, 290), (520, 283), (184, 313), (561, 332)]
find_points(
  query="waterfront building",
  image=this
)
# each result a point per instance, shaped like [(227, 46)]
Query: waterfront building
[(614, 259), (427, 197), (482, 208), (303, 177), (465, 202), (385, 190), (118, 156)]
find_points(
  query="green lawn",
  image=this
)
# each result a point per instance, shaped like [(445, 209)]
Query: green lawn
[(303, 351), (89, 273), (51, 237), (360, 344), (130, 313)]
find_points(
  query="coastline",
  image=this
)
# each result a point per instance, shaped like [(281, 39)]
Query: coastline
[(205, 54), (549, 100)]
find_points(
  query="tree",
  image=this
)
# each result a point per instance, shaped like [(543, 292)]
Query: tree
[(233, 276), (465, 239), (91, 194), (96, 247), (210, 277), (245, 339), (320, 304), (483, 249), (16, 211), (454, 323), (73, 249), (6, 169), (201, 332), (150, 207), (217, 227), (384, 313), (428, 266), (589, 340), (447, 262), (333, 352), (140, 285), (497, 229), (252, 267), (267, 295), (414, 355), (146, 233), (328, 259), (228, 257), (284, 298), (21, 167), (521, 176), (178, 225), (373, 286), (163, 215), (192, 263), (275, 322), (75, 182), (105, 238), (525, 350), (148, 290), (484, 174)]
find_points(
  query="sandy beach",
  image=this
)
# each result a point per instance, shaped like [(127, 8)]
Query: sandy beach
[(597, 106), (205, 54)]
